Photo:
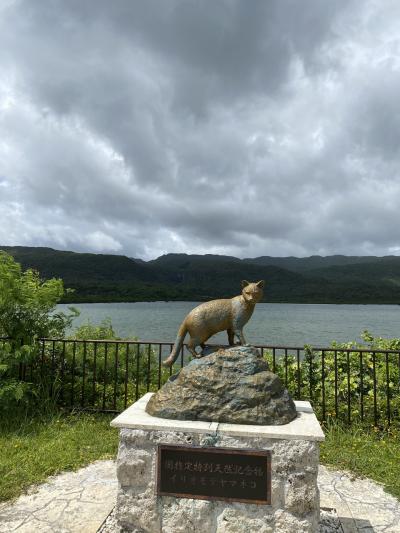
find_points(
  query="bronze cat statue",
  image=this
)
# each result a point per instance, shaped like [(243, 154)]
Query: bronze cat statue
[(218, 315)]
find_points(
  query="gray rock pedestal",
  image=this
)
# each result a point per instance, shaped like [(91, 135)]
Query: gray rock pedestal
[(294, 467), (232, 385)]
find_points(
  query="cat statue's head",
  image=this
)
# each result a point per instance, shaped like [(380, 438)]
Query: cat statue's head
[(252, 292)]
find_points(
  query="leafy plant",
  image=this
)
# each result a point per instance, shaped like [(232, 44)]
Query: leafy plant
[(95, 368), (344, 383), (27, 312)]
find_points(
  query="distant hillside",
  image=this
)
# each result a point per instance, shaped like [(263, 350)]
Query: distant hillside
[(113, 278), (73, 266), (304, 264), (182, 259), (383, 272)]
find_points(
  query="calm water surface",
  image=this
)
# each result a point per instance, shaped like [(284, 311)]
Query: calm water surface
[(275, 324)]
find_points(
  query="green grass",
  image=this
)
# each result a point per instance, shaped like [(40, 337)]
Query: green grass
[(33, 448), (365, 452)]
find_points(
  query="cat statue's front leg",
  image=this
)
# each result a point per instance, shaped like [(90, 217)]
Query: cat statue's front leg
[(231, 337), (240, 337)]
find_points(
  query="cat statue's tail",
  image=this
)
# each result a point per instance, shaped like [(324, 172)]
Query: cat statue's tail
[(177, 346)]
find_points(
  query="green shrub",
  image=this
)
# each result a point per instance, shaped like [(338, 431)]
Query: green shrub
[(102, 375), (364, 387), (27, 306)]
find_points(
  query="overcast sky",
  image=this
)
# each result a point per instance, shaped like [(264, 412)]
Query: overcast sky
[(269, 127)]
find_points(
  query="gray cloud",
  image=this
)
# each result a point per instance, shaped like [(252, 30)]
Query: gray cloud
[(151, 127)]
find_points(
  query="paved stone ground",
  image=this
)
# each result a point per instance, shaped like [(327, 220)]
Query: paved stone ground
[(79, 502), (330, 523), (361, 504), (74, 502)]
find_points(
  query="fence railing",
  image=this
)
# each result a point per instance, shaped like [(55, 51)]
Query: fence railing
[(108, 375)]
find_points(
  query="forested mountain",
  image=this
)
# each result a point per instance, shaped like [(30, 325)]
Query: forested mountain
[(106, 278), (304, 264), (378, 273)]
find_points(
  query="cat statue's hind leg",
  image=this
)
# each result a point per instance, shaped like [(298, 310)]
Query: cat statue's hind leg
[(192, 345)]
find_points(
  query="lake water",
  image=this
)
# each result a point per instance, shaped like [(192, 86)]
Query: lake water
[(271, 324)]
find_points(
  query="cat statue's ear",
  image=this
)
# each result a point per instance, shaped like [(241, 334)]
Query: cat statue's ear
[(245, 283), (260, 284)]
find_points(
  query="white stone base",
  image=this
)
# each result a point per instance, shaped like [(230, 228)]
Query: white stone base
[(295, 456)]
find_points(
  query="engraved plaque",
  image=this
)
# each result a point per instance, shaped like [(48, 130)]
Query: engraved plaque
[(228, 474)]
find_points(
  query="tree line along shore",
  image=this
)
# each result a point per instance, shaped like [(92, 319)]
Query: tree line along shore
[(315, 279)]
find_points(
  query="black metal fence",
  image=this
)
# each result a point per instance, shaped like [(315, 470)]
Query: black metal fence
[(108, 375)]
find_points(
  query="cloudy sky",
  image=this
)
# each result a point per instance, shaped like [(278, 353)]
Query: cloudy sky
[(269, 127)]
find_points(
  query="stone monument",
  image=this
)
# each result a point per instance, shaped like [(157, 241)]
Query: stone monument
[(221, 447)]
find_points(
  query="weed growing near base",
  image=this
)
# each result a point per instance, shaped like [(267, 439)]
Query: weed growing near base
[(35, 447), (367, 452)]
